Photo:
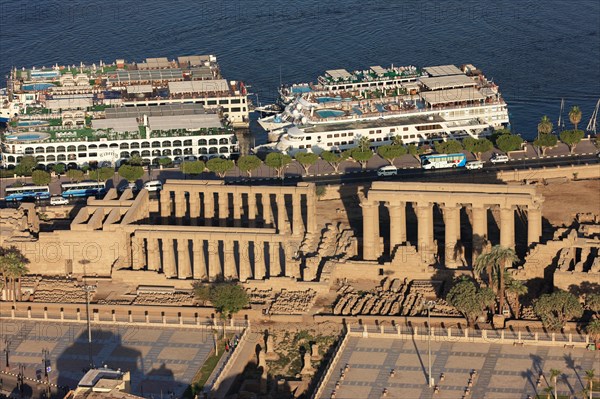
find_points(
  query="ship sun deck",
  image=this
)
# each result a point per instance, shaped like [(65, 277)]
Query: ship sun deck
[(376, 123)]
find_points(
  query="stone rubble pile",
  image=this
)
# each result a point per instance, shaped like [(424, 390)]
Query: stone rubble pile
[(156, 298), (293, 302)]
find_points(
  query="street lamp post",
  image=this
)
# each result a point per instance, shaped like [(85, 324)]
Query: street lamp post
[(6, 351), (429, 305), (45, 353)]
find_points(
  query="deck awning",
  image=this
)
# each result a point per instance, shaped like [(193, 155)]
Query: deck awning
[(117, 124), (452, 96), (378, 70), (339, 74), (184, 122), (447, 82), (139, 89), (443, 70), (198, 86)]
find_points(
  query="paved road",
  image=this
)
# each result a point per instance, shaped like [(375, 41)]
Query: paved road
[(323, 173)]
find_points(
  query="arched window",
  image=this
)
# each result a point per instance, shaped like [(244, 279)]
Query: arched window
[(146, 153), (223, 141), (125, 154), (39, 150), (124, 146), (51, 158), (177, 143), (166, 152), (134, 145), (81, 148), (202, 142), (50, 149), (213, 142), (166, 144), (223, 150), (156, 144), (145, 144), (213, 150), (61, 157), (71, 148), (187, 143)]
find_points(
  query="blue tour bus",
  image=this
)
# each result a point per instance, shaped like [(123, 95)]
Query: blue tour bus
[(83, 189), (25, 193), (441, 161)]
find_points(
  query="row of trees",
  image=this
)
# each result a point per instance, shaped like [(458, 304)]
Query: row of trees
[(546, 139)]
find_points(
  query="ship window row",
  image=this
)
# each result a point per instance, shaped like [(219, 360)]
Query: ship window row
[(336, 135), (123, 146), (129, 154)]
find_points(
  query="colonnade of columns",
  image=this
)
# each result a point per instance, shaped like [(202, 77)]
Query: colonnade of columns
[(451, 209), (210, 258), (239, 206)]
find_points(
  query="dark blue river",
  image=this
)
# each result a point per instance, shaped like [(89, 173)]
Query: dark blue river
[(536, 51)]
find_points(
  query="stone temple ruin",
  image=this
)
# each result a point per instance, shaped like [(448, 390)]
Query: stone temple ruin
[(269, 237)]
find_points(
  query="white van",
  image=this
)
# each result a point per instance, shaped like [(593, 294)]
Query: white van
[(474, 165), (153, 185), (499, 158), (389, 170)]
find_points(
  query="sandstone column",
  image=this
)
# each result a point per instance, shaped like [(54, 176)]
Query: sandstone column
[(370, 211), (139, 253), (266, 205), (223, 207), (507, 226), (259, 260), (281, 214), (169, 261), (153, 254), (199, 270), (311, 210), (452, 224), (297, 223), (480, 228), (229, 267), (179, 205), (214, 263), (534, 224), (275, 261), (251, 209), (184, 262), (194, 208), (425, 230), (237, 208), (165, 203), (244, 251), (209, 207), (397, 212)]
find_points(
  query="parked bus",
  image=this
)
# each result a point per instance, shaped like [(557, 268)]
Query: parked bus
[(441, 161), (25, 193), (83, 189)]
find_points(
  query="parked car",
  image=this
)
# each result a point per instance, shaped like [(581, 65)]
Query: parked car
[(58, 200), (125, 186), (389, 170), (474, 165), (499, 158), (153, 185)]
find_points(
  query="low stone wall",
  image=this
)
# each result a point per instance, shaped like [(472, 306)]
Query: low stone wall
[(570, 172)]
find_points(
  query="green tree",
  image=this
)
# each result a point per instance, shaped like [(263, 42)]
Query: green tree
[(278, 161), (575, 116), (59, 168), (220, 166), (364, 144), (477, 146), (135, 160), (362, 156), (515, 289), (545, 141), (306, 159), (509, 142), (75, 175), (131, 173), (227, 298), (165, 161), (102, 174), (448, 147), (494, 265), (589, 378), (554, 373), (545, 126), (192, 167), (40, 178), (557, 308), (593, 330), (320, 191), (332, 159), (13, 267), (249, 163), (391, 152), (571, 138), (397, 140), (467, 299), (592, 302), (415, 151), (26, 166)]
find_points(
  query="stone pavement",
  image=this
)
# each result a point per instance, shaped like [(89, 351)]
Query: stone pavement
[(161, 360), (503, 371)]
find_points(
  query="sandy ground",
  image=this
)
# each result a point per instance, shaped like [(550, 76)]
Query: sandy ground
[(564, 200)]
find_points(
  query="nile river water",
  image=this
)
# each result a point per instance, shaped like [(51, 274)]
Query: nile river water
[(536, 51)]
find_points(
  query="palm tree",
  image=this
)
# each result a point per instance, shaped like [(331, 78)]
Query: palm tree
[(575, 115), (554, 373), (545, 126), (494, 264), (589, 377), (484, 265), (548, 391), (516, 289), (12, 266)]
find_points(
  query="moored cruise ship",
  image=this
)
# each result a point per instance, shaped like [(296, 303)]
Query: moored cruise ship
[(447, 103), (179, 131)]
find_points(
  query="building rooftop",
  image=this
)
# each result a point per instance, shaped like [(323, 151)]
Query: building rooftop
[(447, 82), (443, 70)]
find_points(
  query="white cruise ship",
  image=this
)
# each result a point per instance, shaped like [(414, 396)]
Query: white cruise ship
[(447, 103)]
